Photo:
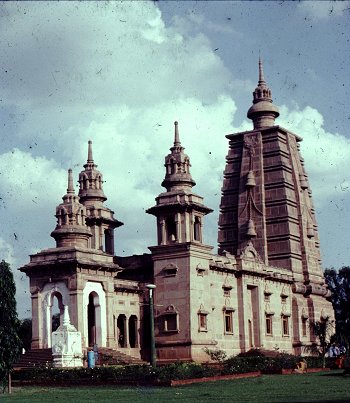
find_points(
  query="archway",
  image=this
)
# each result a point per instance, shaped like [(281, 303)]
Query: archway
[(57, 309), (94, 319), (121, 324), (133, 331)]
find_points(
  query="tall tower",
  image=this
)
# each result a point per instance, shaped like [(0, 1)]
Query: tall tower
[(99, 218), (266, 200), (178, 257)]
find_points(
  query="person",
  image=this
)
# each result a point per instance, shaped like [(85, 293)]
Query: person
[(301, 366)]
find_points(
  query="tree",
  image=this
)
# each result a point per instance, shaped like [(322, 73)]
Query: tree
[(25, 333), (323, 330), (10, 343), (339, 285)]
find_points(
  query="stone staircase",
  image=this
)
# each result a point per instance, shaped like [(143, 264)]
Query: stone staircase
[(107, 356), (35, 358)]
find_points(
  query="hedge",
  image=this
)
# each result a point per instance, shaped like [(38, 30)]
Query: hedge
[(145, 374)]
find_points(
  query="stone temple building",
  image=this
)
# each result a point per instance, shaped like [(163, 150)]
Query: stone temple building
[(260, 290)]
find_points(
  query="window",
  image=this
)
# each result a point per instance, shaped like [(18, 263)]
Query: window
[(170, 319), (170, 270), (170, 322), (171, 229), (202, 319), (197, 229), (227, 290), (266, 297), (228, 320), (303, 326), (268, 323), (285, 325), (283, 299)]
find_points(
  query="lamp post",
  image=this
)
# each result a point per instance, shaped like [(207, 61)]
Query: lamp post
[(151, 287)]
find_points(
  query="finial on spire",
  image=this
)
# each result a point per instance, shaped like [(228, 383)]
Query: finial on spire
[(70, 189), (90, 159), (177, 137), (261, 72)]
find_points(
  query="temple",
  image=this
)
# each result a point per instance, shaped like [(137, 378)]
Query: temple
[(261, 289)]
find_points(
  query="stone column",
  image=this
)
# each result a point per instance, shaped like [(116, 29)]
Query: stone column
[(109, 290), (76, 306), (37, 319)]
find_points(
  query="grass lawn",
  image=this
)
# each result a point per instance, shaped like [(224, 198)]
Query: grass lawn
[(316, 387)]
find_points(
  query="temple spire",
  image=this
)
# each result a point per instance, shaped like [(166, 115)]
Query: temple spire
[(70, 189), (263, 112)]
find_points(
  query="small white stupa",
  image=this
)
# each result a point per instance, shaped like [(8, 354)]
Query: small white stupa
[(66, 344)]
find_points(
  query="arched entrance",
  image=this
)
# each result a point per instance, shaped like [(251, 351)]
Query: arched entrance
[(121, 325), (94, 319), (133, 341), (53, 317)]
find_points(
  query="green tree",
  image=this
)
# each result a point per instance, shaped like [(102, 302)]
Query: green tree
[(323, 330), (25, 333), (10, 343), (339, 285)]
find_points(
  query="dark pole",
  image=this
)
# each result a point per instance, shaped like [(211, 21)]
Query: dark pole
[(153, 357)]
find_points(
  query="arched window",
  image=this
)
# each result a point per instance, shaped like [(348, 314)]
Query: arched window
[(170, 229), (197, 229)]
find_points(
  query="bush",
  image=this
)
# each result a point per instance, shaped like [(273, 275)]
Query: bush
[(216, 355), (239, 364), (184, 371)]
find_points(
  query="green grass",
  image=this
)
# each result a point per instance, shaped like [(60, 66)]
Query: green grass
[(329, 386)]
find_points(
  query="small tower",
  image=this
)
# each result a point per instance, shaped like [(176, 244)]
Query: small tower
[(71, 229), (179, 212), (99, 218), (178, 258)]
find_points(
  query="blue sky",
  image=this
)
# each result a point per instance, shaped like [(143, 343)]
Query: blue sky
[(121, 73)]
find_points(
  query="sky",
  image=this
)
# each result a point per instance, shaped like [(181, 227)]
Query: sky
[(120, 74)]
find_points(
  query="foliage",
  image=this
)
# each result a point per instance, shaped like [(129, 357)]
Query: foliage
[(339, 285), (129, 374), (10, 343), (216, 355), (323, 330), (25, 333), (237, 365)]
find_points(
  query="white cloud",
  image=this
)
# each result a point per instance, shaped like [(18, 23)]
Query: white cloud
[(6, 252), (115, 74), (327, 155), (319, 10)]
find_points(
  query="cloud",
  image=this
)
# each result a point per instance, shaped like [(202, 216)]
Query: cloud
[(6, 252), (327, 155), (320, 10), (116, 74)]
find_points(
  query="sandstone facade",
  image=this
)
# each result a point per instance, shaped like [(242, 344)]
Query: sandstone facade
[(260, 291)]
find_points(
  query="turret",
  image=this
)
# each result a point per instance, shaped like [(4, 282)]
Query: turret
[(99, 217), (179, 212), (71, 229)]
